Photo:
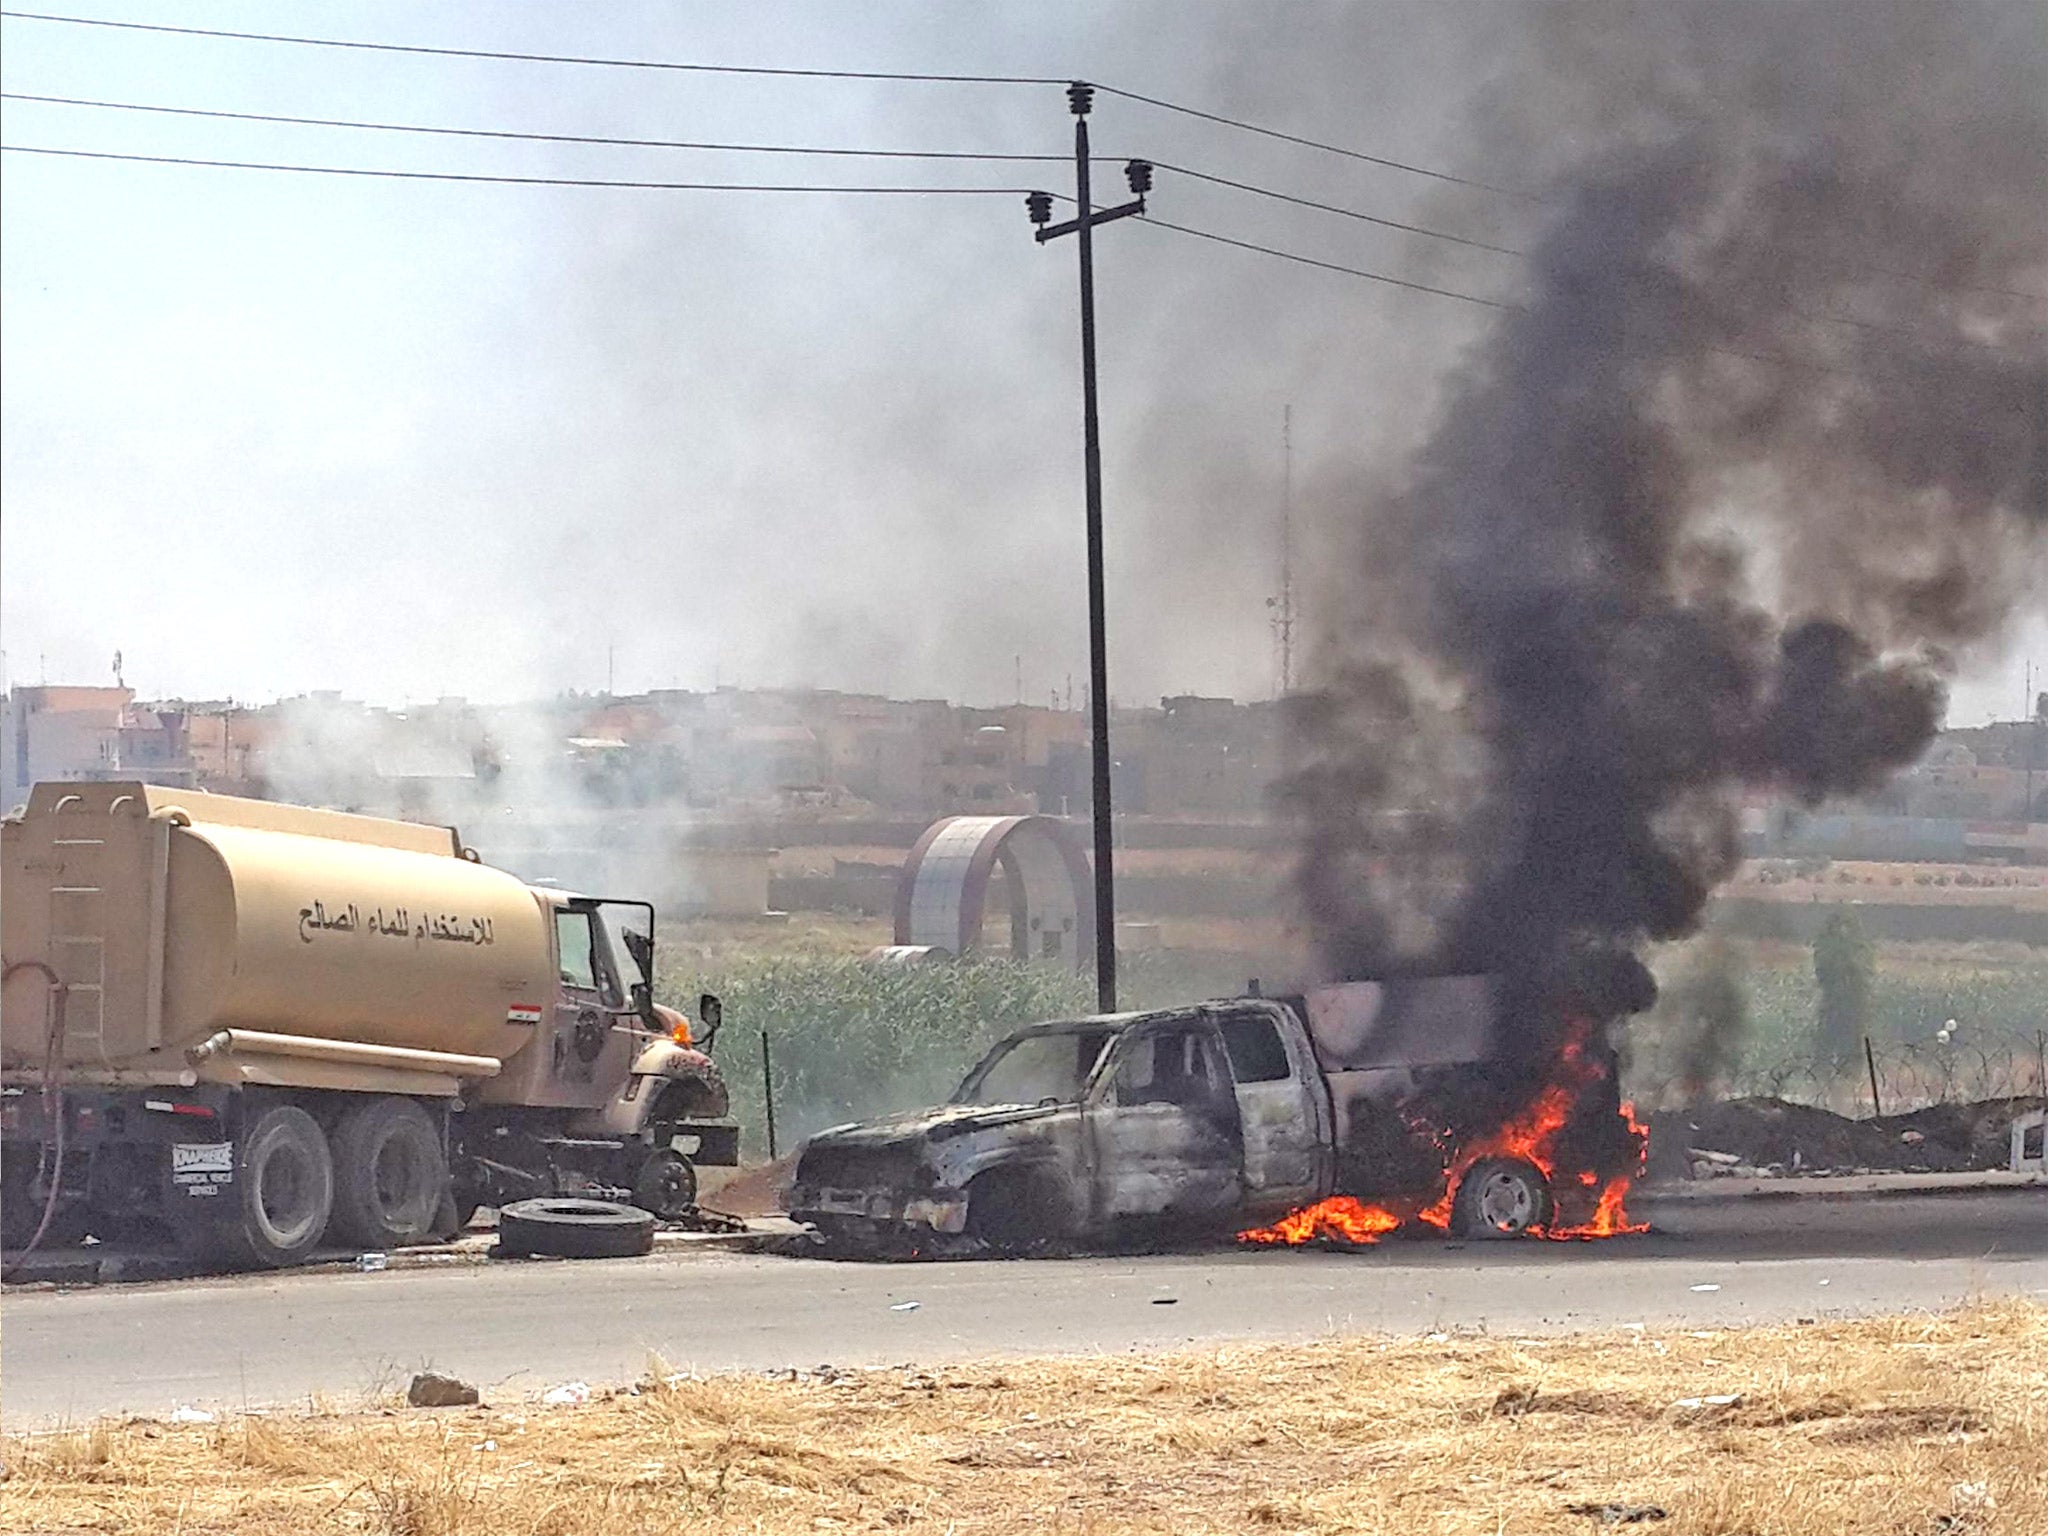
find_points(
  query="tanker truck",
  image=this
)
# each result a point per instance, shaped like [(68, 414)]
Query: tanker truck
[(256, 1029)]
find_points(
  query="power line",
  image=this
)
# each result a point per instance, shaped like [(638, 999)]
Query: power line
[(872, 190), (535, 58), (826, 189), (1349, 213), (913, 76), (545, 138), (755, 69), (1329, 266), (528, 181), (722, 146), (1468, 298), (1813, 316), (1307, 143), (886, 154)]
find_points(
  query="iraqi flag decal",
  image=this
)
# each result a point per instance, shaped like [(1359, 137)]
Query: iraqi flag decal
[(523, 1013)]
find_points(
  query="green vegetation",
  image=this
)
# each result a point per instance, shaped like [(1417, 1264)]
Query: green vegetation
[(1997, 1004), (1844, 966), (851, 1040)]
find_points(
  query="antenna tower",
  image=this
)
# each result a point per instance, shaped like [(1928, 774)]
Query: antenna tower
[(1283, 605)]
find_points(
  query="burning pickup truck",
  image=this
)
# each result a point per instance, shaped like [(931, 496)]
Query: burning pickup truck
[(1344, 1113)]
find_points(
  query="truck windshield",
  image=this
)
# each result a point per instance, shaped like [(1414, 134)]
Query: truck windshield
[(1036, 1069)]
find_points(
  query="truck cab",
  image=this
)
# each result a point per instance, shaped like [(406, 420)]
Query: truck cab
[(1077, 1128)]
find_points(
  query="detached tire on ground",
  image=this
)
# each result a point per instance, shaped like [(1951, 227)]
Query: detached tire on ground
[(574, 1229), (283, 1192), (1501, 1197), (390, 1175)]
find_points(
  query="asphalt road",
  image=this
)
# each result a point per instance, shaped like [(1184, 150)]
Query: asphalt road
[(516, 1329)]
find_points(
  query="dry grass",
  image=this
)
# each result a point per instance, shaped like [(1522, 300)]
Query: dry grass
[(1919, 1426)]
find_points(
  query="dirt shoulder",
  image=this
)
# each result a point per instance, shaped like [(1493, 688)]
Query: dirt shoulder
[(1918, 1424)]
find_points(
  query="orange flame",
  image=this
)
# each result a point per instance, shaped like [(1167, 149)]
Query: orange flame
[(1530, 1136), (1610, 1217), (1339, 1218)]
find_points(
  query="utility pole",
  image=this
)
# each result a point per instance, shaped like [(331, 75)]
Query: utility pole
[(1080, 97)]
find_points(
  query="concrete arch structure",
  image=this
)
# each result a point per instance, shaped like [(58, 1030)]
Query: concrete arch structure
[(943, 893)]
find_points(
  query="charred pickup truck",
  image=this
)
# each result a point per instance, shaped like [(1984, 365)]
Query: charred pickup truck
[(1423, 1095)]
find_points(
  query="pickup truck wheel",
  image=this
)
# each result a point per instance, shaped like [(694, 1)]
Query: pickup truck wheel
[(1017, 1211), (666, 1185), (283, 1191), (1500, 1197), (574, 1229), (390, 1174)]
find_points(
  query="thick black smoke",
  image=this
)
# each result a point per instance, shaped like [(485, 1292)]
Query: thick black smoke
[(1760, 445)]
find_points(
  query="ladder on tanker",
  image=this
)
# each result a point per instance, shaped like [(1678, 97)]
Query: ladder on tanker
[(78, 941)]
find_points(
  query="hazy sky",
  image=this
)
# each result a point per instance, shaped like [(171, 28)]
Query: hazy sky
[(265, 432)]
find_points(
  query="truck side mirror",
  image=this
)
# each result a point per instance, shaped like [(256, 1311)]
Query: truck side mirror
[(710, 1014)]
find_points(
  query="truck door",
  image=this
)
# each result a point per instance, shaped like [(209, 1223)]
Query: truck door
[(1278, 1105), (585, 1000), (1165, 1125)]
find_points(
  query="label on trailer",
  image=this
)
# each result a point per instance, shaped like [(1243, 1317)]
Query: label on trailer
[(200, 1167), (523, 1013)]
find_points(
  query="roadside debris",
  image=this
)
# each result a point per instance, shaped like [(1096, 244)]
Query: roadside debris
[(574, 1229), (1513, 1402), (1705, 1288), (570, 1394), (430, 1389), (369, 1263), (1717, 1400), (905, 1306), (1774, 1138), (187, 1415)]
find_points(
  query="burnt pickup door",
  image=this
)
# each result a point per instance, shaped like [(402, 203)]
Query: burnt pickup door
[(1164, 1125), (1280, 1107)]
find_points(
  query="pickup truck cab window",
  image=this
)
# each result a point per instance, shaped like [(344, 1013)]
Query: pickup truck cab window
[(1171, 1066), (1257, 1054), (1036, 1069)]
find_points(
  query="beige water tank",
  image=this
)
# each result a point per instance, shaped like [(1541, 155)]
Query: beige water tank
[(171, 914)]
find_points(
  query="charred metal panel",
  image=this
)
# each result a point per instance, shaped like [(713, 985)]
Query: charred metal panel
[(1281, 1106), (1165, 1130), (1419, 1021)]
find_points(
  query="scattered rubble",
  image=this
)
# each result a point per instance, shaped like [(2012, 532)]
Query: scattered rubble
[(430, 1389), (1766, 1138)]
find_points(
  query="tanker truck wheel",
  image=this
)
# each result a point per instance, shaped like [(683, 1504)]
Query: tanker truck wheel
[(666, 1185), (390, 1176), (283, 1189)]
